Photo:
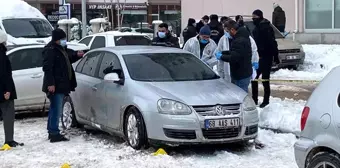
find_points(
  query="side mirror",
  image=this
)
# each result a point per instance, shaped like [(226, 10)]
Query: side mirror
[(285, 34), (113, 77)]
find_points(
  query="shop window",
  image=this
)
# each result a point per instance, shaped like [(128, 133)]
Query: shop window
[(337, 14), (319, 13), (154, 9)]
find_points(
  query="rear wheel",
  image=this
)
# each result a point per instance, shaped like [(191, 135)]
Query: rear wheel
[(293, 67), (324, 160), (68, 118), (134, 127)]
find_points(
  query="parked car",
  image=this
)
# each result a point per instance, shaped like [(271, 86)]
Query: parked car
[(318, 145), (158, 95), (291, 53), (27, 63), (114, 38), (145, 31)]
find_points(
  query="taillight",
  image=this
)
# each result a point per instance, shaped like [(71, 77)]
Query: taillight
[(304, 117)]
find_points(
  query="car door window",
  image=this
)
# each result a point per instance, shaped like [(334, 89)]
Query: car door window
[(91, 64), (109, 60), (86, 40), (26, 58), (98, 42)]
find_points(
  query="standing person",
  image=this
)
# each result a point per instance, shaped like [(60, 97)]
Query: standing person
[(279, 18), (202, 46), (224, 20), (216, 28), (239, 56), (204, 21), (190, 30), (59, 79), (164, 37), (8, 93), (267, 48)]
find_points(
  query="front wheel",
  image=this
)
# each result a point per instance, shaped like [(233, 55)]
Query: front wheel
[(134, 127), (324, 160)]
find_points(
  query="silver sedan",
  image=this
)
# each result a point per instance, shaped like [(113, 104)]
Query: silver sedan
[(161, 95)]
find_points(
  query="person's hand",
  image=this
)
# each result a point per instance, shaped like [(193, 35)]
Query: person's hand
[(51, 89), (7, 95), (80, 53), (256, 65), (218, 55)]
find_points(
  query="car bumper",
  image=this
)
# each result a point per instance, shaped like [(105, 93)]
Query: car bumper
[(286, 61), (301, 150), (189, 129)]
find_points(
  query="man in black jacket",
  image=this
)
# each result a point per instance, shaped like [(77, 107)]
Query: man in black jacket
[(8, 93), (204, 21), (59, 79), (279, 18), (190, 30), (267, 48), (216, 28), (239, 56), (164, 37)]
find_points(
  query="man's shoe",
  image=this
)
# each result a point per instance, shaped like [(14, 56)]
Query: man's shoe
[(58, 138), (14, 144), (263, 105)]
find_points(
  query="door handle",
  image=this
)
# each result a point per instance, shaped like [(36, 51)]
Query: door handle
[(94, 88), (37, 76)]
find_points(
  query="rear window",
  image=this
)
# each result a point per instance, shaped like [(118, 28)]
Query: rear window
[(131, 40)]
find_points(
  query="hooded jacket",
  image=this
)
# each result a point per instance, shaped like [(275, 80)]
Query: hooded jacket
[(6, 82), (217, 30), (190, 30), (279, 17), (168, 41)]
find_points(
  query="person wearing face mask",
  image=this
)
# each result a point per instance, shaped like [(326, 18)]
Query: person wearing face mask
[(267, 46), (8, 93), (164, 37), (59, 79), (204, 21), (190, 30), (202, 46)]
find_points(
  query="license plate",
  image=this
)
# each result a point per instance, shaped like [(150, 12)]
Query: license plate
[(222, 123), (290, 57)]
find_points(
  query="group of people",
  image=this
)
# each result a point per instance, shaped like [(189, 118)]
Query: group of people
[(240, 55)]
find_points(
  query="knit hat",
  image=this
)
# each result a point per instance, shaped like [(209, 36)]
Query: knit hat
[(3, 36), (258, 13), (58, 34), (205, 30), (275, 5)]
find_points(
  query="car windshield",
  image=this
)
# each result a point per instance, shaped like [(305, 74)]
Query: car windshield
[(161, 67), (131, 40), (251, 27), (27, 28)]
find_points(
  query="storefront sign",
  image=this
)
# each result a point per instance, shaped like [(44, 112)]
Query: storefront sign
[(121, 6), (53, 18)]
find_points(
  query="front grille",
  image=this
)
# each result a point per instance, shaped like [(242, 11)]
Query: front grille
[(180, 134), (251, 130), (229, 109), (221, 133), (289, 51)]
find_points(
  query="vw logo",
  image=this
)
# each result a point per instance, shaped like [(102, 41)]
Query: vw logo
[(219, 110)]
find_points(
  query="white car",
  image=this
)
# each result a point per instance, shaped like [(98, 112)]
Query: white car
[(114, 38), (145, 31), (27, 74)]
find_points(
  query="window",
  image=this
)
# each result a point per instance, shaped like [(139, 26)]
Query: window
[(86, 40), (98, 42), (158, 67), (144, 30), (91, 64), (337, 14), (26, 58), (131, 40), (109, 60), (319, 14), (33, 27)]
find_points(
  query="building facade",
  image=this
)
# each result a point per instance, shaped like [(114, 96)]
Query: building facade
[(314, 21)]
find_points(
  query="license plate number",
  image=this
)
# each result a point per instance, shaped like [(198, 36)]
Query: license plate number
[(222, 123), (290, 57)]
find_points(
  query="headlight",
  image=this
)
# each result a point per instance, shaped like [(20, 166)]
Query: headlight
[(248, 104), (166, 106)]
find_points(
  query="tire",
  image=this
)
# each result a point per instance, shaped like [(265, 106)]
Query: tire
[(321, 157), (68, 117), (134, 129), (293, 67)]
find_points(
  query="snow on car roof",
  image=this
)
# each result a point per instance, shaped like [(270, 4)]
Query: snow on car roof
[(18, 9)]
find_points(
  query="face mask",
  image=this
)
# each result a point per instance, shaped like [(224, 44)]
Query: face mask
[(63, 43), (240, 22), (256, 20), (203, 41), (161, 34), (227, 34)]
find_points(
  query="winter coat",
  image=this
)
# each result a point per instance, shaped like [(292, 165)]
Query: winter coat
[(189, 32), (279, 17), (223, 68), (240, 55), (56, 69), (6, 82), (266, 44), (193, 46), (217, 30), (168, 41)]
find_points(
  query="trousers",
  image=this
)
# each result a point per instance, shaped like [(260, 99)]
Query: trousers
[(54, 114), (8, 116)]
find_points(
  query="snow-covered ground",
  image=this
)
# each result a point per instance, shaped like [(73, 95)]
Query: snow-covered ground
[(101, 150), (320, 59)]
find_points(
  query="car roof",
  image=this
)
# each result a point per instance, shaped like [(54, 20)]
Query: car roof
[(137, 49), (72, 46), (118, 33)]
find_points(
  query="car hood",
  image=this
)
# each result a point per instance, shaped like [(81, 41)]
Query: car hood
[(20, 41), (209, 92), (287, 44)]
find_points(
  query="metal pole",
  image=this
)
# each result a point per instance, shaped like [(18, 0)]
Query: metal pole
[(83, 18)]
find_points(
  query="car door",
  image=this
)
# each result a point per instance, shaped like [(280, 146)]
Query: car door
[(28, 76), (110, 95), (86, 90), (98, 42)]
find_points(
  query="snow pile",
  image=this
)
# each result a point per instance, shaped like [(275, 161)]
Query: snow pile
[(18, 9), (98, 20), (320, 59), (282, 115)]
